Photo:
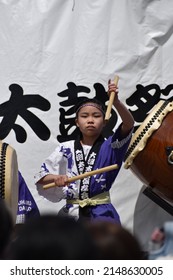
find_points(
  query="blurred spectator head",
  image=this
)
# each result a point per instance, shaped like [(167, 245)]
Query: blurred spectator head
[(51, 237), (6, 223), (114, 241)]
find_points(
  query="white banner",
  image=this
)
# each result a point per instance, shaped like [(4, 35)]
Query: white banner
[(54, 51)]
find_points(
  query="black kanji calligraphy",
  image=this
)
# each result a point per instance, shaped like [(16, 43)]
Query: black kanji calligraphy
[(18, 105)]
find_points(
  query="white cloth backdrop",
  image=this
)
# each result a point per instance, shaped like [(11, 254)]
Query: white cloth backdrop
[(44, 44)]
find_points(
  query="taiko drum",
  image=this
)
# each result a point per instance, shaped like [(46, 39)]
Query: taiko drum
[(150, 153), (9, 185)]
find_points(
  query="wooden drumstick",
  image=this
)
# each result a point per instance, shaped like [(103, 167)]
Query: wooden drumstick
[(84, 175), (111, 100)]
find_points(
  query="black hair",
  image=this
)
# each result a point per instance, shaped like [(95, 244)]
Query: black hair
[(53, 237), (90, 100)]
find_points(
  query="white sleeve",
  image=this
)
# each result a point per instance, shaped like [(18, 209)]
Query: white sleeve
[(54, 194), (54, 164)]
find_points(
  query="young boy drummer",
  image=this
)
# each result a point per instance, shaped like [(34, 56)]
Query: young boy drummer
[(88, 198)]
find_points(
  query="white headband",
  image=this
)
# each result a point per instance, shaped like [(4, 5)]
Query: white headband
[(93, 105)]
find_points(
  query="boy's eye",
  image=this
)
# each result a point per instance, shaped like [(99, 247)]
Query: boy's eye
[(94, 115)]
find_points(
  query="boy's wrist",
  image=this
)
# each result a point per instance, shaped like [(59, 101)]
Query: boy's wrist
[(116, 102)]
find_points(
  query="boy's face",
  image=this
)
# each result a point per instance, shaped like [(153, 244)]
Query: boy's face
[(90, 120)]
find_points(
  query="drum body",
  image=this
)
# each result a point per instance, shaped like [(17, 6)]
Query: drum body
[(9, 185), (149, 155)]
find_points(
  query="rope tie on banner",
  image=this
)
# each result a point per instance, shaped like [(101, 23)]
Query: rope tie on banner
[(73, 5)]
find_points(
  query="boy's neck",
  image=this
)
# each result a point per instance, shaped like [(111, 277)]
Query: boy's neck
[(88, 141)]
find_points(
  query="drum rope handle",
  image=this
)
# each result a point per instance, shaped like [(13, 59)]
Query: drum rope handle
[(111, 100), (2, 169), (84, 175), (140, 136)]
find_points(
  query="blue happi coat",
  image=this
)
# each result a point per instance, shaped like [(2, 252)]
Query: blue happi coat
[(27, 206), (64, 161)]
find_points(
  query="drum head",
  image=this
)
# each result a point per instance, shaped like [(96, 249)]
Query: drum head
[(9, 178)]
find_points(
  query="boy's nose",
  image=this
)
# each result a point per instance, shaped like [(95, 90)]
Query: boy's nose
[(90, 120)]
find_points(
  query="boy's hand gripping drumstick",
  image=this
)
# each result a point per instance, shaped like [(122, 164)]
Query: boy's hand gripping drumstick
[(84, 175), (111, 100)]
